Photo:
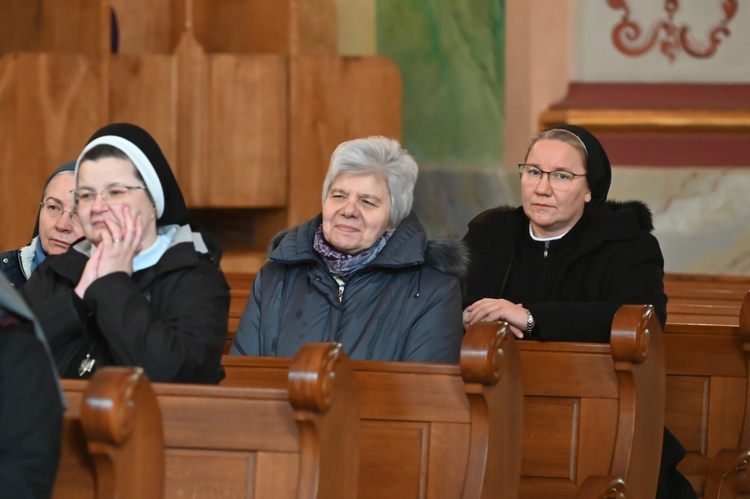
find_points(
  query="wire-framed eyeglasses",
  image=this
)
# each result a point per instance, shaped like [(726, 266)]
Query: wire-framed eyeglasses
[(112, 195), (560, 180), (54, 210)]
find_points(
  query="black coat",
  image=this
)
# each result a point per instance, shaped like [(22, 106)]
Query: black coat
[(170, 318), (608, 259), (31, 403)]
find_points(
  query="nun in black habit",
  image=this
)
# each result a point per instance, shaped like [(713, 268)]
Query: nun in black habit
[(144, 287), (56, 228), (558, 267)]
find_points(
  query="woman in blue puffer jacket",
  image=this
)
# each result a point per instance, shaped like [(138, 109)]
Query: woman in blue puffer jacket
[(362, 273)]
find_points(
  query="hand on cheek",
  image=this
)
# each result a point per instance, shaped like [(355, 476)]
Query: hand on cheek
[(90, 272), (121, 242)]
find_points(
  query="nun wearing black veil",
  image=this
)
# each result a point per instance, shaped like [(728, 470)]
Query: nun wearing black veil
[(144, 287), (558, 267), (571, 257)]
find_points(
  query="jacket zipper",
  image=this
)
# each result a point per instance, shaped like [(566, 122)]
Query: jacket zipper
[(341, 284), (546, 249)]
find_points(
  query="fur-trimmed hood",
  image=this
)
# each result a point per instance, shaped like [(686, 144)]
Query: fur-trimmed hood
[(642, 212), (407, 247), (614, 218)]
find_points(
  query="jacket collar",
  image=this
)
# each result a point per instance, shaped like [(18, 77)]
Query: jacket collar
[(407, 247)]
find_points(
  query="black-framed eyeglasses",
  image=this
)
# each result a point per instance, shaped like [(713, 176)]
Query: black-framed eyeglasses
[(54, 210), (560, 180), (112, 195)]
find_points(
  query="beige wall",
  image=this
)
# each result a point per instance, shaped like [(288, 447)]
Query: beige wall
[(538, 66), (356, 27)]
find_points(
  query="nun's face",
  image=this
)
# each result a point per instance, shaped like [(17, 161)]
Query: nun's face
[(554, 209), (58, 228), (105, 187)]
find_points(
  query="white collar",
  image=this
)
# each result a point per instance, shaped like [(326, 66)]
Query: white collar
[(545, 239)]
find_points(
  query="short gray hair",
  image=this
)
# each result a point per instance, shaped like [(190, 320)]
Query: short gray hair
[(380, 156)]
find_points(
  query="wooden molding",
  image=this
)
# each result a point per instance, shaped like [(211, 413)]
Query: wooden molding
[(661, 124), (665, 120)]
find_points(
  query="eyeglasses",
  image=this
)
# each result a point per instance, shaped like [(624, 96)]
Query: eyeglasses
[(113, 195), (54, 210), (560, 180)]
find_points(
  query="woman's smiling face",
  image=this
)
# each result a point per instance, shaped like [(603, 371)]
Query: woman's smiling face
[(356, 211)]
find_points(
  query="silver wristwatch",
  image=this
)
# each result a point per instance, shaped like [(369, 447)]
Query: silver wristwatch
[(529, 324)]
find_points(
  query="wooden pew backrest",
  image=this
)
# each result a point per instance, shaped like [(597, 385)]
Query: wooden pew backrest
[(594, 411), (707, 392), (424, 425), (297, 439)]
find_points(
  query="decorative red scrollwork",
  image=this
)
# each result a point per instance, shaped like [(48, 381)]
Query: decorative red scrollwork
[(628, 37)]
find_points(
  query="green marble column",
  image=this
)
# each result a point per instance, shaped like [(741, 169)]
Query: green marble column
[(451, 56)]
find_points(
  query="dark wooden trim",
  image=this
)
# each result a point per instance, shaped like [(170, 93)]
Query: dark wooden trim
[(643, 124)]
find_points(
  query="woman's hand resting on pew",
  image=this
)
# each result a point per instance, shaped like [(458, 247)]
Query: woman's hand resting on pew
[(491, 309)]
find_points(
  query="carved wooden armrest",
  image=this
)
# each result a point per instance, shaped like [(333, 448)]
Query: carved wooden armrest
[(322, 392), (602, 487), (728, 475), (491, 370), (122, 422)]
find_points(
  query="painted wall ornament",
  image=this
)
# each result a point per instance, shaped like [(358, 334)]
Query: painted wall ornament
[(671, 37)]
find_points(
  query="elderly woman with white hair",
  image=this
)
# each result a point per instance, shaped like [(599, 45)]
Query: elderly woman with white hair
[(362, 273)]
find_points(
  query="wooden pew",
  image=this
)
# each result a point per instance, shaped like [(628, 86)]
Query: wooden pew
[(594, 413), (706, 287), (113, 444), (430, 430), (708, 398), (297, 439), (240, 285)]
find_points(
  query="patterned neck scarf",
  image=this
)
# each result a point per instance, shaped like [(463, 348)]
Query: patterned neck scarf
[(343, 264)]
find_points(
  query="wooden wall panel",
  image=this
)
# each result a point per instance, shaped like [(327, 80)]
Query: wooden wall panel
[(553, 444), (52, 26), (444, 455), (192, 473), (143, 91), (242, 26), (726, 411), (247, 165), (248, 101), (687, 410), (192, 119), (401, 454), (597, 437), (151, 27), (334, 99), (271, 482), (314, 28)]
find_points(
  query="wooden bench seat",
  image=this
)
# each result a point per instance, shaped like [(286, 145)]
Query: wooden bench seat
[(112, 444), (594, 413), (431, 430)]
